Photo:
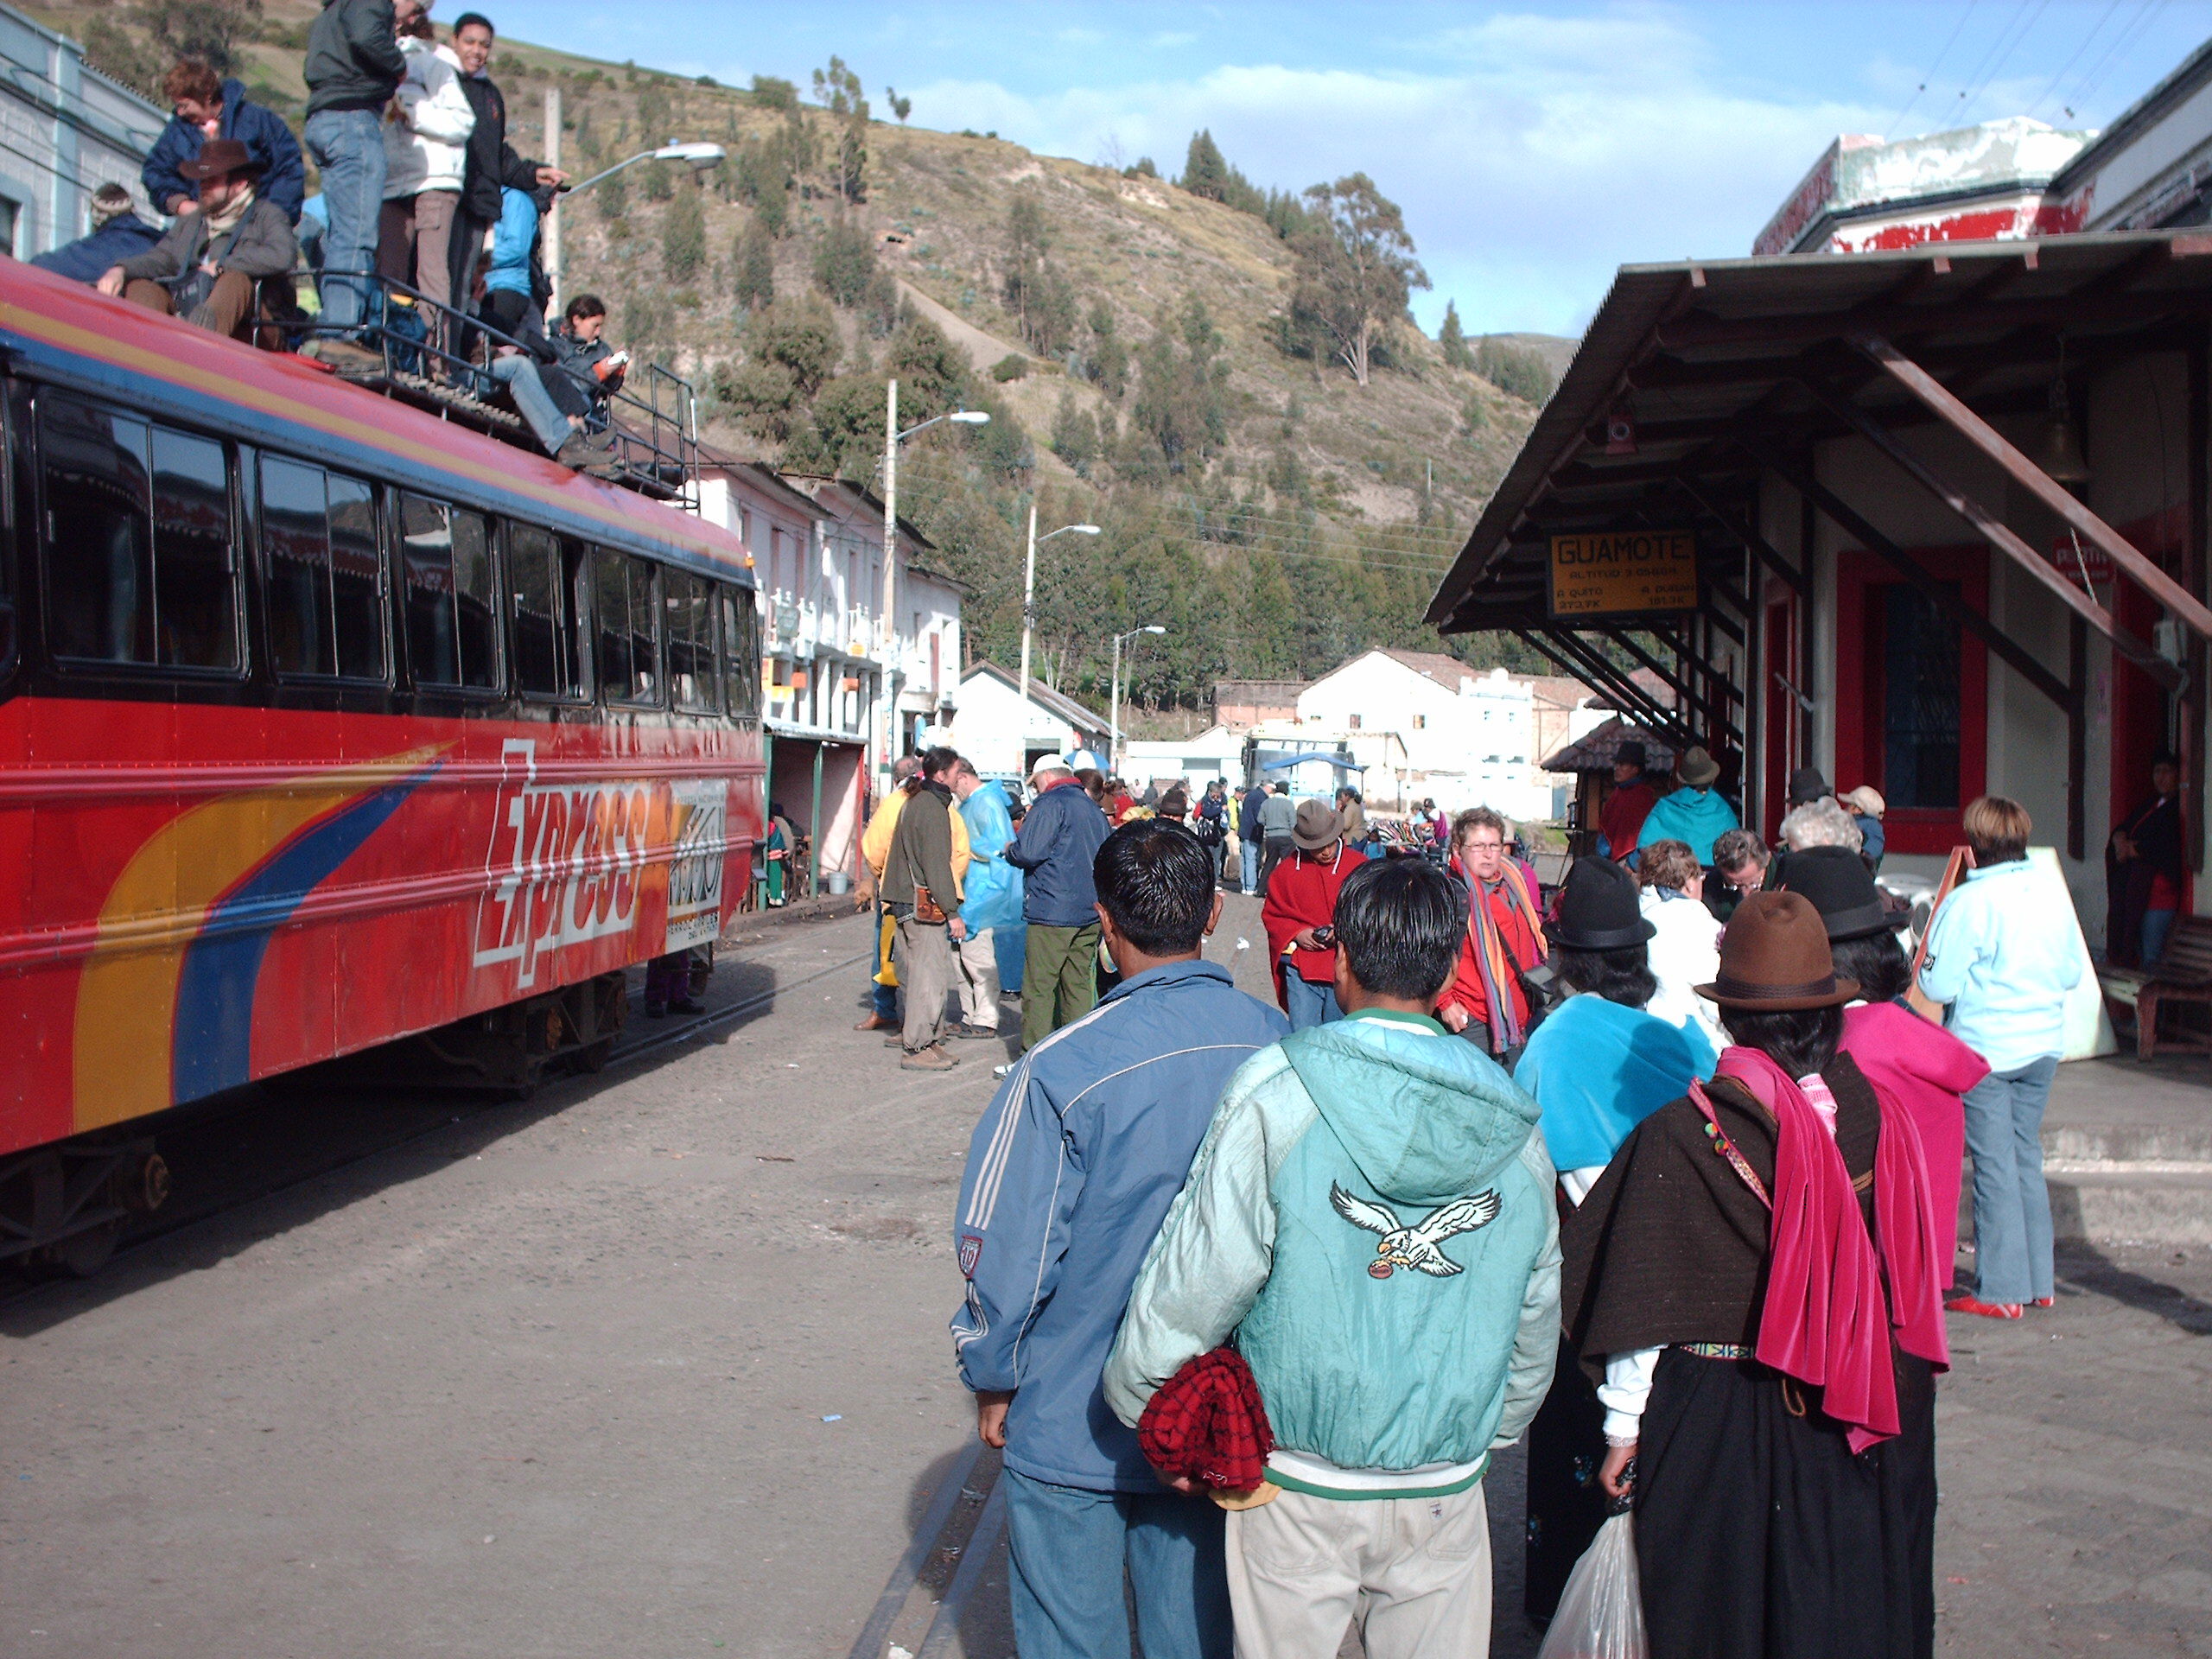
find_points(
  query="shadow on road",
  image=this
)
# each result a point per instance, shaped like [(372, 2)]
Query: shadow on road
[(2087, 1269)]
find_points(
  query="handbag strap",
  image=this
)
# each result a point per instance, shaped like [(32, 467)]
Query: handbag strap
[(1726, 1147)]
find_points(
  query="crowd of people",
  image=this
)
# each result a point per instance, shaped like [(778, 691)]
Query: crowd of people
[(1659, 1167), (421, 195)]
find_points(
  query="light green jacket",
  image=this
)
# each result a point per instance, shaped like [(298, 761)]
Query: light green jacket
[(1370, 1218)]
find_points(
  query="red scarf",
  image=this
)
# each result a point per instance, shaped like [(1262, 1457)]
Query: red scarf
[(1825, 1322)]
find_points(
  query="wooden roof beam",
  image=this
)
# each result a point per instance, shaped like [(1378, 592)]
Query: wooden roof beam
[(2146, 573), (2071, 310)]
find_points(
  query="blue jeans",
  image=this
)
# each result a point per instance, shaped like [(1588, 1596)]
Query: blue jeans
[(1068, 1550), (2157, 924), (348, 146), (1250, 847), (517, 372), (1311, 1002), (2011, 1205)]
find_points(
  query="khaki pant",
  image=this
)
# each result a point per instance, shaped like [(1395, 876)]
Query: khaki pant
[(1414, 1571), (1059, 979), (926, 974), (978, 980), (413, 234), (231, 307)]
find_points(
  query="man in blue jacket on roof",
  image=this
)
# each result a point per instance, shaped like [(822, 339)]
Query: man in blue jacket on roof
[(206, 107), (1069, 1173)]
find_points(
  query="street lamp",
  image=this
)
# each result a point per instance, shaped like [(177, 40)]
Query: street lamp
[(1114, 759), (701, 155), (892, 437), (1029, 592)]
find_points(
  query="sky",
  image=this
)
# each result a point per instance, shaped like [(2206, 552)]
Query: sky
[(1534, 148)]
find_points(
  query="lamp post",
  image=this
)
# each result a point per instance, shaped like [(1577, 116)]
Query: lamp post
[(1029, 591), (888, 627), (1114, 717), (701, 155)]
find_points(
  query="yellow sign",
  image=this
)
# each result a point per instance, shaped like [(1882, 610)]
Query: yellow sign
[(1624, 571)]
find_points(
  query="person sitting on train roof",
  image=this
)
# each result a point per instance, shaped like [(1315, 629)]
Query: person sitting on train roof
[(209, 106), (526, 369), (587, 370), (118, 232), (223, 265)]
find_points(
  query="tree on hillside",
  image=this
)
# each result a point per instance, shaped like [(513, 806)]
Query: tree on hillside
[(838, 89), (844, 261), (1355, 269), (1075, 434), (756, 265), (1182, 403), (1040, 298), (1514, 368), (789, 349), (899, 106), (211, 30), (772, 93), (683, 234), (1453, 340), (1106, 361), (1205, 170)]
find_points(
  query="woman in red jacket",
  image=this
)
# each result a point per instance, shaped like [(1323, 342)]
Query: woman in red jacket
[(1506, 939), (1298, 913)]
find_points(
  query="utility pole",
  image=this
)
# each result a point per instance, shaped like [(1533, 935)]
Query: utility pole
[(1114, 716), (552, 149), (890, 628), (1028, 607)]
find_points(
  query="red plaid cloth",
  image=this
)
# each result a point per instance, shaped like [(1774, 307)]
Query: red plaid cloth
[(1208, 1425)]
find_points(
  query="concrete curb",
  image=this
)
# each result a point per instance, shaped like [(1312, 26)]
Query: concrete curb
[(2132, 1207)]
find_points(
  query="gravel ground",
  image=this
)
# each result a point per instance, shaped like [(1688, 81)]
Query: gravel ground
[(656, 1364)]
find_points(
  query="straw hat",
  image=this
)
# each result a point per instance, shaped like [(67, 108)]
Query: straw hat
[(1774, 957)]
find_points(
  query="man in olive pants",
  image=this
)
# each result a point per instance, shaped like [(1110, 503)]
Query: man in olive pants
[(1060, 835)]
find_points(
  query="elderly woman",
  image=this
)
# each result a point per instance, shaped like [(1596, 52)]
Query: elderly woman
[(1821, 823), (1599, 1067), (1686, 939), (1754, 1279), (2004, 956)]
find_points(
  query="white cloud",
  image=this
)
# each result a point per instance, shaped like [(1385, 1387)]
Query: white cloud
[(1532, 155)]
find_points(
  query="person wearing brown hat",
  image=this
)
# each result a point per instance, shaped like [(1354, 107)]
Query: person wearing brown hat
[(1297, 913), (223, 266), (1753, 1285), (1696, 812)]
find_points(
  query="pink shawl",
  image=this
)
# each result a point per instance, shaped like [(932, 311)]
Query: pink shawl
[(1827, 1322)]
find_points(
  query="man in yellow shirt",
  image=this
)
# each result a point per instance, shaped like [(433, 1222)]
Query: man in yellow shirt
[(875, 848)]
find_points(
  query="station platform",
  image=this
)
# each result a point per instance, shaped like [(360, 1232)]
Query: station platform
[(2128, 1151)]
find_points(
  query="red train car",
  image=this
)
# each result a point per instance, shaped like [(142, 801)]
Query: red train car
[(323, 722)]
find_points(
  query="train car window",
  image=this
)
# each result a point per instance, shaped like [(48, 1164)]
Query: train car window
[(543, 640), (688, 606), (325, 572), (138, 539), (627, 611), (452, 610), (741, 650)]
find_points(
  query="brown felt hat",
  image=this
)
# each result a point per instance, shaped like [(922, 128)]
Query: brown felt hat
[(1317, 825), (219, 156), (1775, 956)]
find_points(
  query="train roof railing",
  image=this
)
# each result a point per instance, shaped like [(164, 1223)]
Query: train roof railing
[(438, 359)]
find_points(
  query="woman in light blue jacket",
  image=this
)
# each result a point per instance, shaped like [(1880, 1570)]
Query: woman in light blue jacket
[(2003, 957)]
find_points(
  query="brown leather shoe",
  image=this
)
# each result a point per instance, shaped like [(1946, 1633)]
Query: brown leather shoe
[(877, 1022), (932, 1058)]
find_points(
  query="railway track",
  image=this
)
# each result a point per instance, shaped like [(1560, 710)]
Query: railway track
[(934, 1583), (434, 1112)]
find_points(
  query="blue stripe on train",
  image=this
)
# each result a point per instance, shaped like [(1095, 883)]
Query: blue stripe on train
[(213, 1045)]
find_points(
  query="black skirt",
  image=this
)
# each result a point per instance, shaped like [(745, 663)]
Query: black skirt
[(1567, 1444), (1760, 1536)]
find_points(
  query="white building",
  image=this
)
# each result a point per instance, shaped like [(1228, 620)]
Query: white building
[(1215, 753), (65, 130), (1002, 736), (1426, 725), (816, 546)]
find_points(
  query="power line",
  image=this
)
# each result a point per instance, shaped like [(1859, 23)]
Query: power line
[(2125, 40), (2022, 24), (2095, 29), (1897, 120)]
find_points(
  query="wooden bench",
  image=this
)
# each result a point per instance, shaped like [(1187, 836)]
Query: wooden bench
[(2183, 975)]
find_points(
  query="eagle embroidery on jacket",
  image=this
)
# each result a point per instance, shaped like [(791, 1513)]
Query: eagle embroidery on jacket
[(1415, 1246)]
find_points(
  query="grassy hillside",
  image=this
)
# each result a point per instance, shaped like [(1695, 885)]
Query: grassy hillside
[(1132, 341)]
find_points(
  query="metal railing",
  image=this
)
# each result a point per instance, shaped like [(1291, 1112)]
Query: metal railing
[(439, 358)]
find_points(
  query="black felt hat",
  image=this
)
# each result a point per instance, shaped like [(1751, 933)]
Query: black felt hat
[(1598, 909), (1836, 882), (1806, 783), (1631, 753)]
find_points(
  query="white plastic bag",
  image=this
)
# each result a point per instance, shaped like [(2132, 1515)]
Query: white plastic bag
[(1601, 1611)]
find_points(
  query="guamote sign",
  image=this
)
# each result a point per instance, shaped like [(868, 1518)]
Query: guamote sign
[(1620, 572)]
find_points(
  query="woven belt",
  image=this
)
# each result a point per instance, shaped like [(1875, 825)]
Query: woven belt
[(1716, 1349)]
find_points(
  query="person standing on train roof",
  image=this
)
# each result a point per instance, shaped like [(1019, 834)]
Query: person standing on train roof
[(1696, 812), (921, 890), (1070, 1173), (425, 145), (492, 164), (354, 66), (1629, 803), (222, 266), (118, 234), (208, 106)]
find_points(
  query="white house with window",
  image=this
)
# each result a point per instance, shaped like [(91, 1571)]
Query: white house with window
[(1002, 736), (65, 130), (1427, 725)]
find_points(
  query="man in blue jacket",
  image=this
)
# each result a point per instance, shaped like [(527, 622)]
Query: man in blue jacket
[(211, 107), (1069, 1174), (1059, 836), (1250, 835), (118, 234)]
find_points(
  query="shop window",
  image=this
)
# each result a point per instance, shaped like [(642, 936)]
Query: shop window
[(451, 608), (324, 568), (139, 539)]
